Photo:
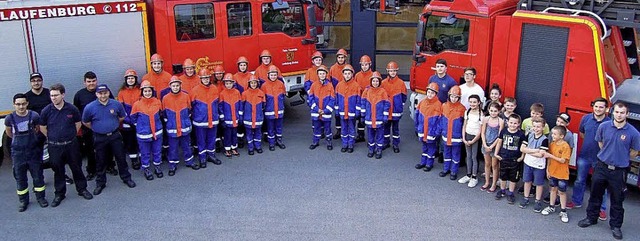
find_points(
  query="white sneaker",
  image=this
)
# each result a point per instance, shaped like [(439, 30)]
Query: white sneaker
[(472, 183), (564, 217), (464, 179), (548, 210)]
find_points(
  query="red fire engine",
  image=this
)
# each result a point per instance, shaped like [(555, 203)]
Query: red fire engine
[(562, 53)]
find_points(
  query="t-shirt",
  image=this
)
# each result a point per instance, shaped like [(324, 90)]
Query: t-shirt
[(511, 142), (556, 169), (38, 102), (617, 143), (21, 123), (590, 148), (541, 143), (474, 122), (444, 84), (569, 138), (466, 91), (527, 124), (61, 124)]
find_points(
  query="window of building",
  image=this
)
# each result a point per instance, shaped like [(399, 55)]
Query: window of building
[(289, 21), (194, 21)]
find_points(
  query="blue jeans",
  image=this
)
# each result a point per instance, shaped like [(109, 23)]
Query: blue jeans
[(579, 186)]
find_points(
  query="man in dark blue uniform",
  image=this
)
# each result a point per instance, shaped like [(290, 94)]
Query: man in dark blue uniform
[(60, 121), (81, 99), (619, 142), (22, 126), (103, 116)]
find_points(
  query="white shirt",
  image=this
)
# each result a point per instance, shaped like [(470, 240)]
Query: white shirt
[(467, 91)]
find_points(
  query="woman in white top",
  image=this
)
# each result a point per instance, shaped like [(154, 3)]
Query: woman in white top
[(470, 137)]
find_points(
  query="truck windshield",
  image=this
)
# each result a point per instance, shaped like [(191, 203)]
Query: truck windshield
[(289, 21), (445, 34)]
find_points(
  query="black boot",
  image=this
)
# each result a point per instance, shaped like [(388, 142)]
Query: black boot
[(378, 154), (370, 154), (279, 143), (41, 200), (329, 144), (135, 163), (360, 137), (158, 171), (23, 202), (147, 174), (337, 135)]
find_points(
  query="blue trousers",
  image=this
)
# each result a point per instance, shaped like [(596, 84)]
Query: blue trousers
[(149, 149), (580, 185), (375, 138), (318, 126), (392, 133), (451, 157), (25, 158), (274, 130), (206, 138), (254, 137), (428, 153), (230, 139), (184, 142), (348, 132)]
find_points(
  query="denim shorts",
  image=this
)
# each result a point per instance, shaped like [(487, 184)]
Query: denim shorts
[(534, 175), (561, 184)]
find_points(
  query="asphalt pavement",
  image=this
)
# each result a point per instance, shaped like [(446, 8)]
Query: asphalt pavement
[(295, 194)]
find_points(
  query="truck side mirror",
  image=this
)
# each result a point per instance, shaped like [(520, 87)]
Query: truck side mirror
[(311, 15), (417, 56), (314, 36), (420, 32)]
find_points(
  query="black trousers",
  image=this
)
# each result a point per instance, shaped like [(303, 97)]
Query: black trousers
[(105, 145), (59, 155), (614, 182)]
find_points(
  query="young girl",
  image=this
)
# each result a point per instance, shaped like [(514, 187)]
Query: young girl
[(230, 106), (470, 137), (375, 106), (491, 127), (204, 102), (145, 115), (274, 91), (321, 102), (451, 130), (494, 96), (428, 115), (130, 93), (253, 101)]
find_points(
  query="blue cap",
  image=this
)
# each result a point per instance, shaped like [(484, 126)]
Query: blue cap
[(102, 87)]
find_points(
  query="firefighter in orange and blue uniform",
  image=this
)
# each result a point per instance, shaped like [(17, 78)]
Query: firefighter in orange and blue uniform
[(262, 71), (336, 76), (146, 116), (450, 126), (230, 106), (158, 77), (204, 104), (322, 101), (374, 107), (363, 78), (397, 91), (253, 103), (427, 117), (177, 107), (347, 107), (189, 78), (312, 75), (242, 83), (274, 92), (130, 93)]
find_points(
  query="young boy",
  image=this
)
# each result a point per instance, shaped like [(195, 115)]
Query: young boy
[(312, 75), (22, 126), (363, 78), (336, 76), (189, 78), (510, 105), (426, 124), (443, 80), (450, 126), (398, 96), (534, 148), (204, 103), (253, 101), (347, 100), (536, 111), (230, 106), (145, 115), (558, 171), (177, 106), (374, 108), (274, 91), (563, 120), (508, 152), (242, 84), (321, 101)]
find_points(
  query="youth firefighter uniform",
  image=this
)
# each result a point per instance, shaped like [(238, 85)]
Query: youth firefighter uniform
[(145, 115), (348, 108), (204, 103)]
